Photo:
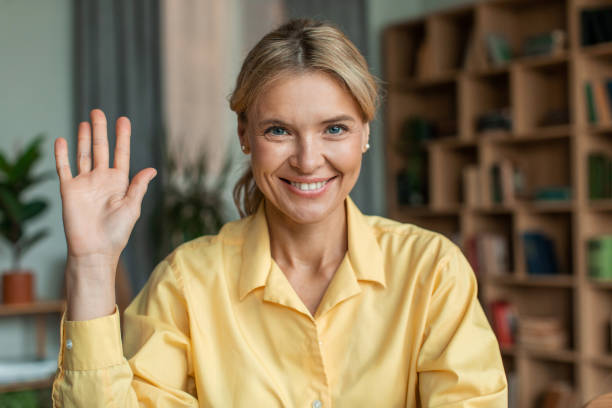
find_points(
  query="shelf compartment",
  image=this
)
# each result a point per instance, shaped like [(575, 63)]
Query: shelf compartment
[(451, 34), (518, 20), (480, 95), (540, 375), (543, 165), (540, 96), (594, 69), (445, 170), (401, 43), (556, 227)]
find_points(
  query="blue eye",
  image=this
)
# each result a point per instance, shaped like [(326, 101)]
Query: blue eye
[(276, 131), (336, 129)]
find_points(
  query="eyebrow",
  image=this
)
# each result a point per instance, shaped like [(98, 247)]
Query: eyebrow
[(339, 118)]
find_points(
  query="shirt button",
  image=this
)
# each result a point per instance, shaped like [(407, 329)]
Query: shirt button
[(69, 344), (320, 343), (317, 404)]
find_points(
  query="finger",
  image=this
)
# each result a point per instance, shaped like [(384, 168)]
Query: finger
[(138, 187), (100, 139), (84, 148), (62, 164), (122, 144)]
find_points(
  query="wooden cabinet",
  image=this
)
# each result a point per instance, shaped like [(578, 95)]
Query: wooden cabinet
[(438, 69)]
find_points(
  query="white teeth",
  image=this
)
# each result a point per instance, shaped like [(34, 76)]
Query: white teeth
[(309, 186)]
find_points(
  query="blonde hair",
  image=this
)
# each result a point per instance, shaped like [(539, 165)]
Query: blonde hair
[(296, 47)]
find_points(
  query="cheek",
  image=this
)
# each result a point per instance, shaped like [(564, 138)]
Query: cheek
[(346, 157)]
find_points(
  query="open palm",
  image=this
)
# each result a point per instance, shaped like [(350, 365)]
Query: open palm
[(99, 206)]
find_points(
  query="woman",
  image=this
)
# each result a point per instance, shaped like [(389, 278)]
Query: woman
[(304, 302)]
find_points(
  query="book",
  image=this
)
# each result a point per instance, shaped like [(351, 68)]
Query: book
[(600, 176), (602, 103), (595, 25), (590, 102), (599, 257), (542, 332), (471, 186), (504, 322), (540, 254)]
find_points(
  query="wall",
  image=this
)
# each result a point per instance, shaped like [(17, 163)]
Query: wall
[(36, 97)]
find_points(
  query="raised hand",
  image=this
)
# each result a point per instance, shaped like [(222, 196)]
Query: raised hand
[(100, 207)]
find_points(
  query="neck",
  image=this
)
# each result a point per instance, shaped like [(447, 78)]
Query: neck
[(314, 249)]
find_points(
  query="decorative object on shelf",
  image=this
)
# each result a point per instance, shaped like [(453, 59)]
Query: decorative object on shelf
[(507, 183), (192, 203), (15, 213), (599, 257), (494, 119), (412, 179), (594, 25), (547, 332), (540, 254), (549, 43), (498, 48)]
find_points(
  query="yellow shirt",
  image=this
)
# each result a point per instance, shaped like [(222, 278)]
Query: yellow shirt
[(219, 325)]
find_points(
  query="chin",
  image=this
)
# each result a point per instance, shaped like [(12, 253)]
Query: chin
[(307, 213)]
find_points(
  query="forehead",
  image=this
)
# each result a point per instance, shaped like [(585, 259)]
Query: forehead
[(304, 97)]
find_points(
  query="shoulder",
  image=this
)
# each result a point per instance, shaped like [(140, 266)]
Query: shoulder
[(206, 252), (425, 255)]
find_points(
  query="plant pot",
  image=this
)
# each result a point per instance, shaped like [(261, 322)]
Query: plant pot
[(17, 287)]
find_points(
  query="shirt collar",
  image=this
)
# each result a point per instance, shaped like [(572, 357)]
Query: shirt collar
[(364, 253)]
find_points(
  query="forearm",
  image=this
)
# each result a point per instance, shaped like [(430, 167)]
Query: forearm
[(90, 287)]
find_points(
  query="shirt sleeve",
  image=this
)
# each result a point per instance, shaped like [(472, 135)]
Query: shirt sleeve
[(152, 367), (459, 363)]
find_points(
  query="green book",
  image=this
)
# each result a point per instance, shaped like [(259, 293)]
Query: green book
[(600, 257), (591, 112), (597, 164)]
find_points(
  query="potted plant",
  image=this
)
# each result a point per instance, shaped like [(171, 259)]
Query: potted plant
[(192, 203), (15, 212)]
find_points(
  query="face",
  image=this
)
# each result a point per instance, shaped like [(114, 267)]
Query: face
[(306, 136)]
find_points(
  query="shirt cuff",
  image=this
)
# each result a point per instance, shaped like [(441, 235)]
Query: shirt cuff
[(91, 344)]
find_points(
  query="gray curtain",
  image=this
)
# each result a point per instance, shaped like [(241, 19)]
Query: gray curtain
[(117, 67), (351, 17)]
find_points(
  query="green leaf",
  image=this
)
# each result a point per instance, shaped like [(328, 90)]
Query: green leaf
[(5, 166), (28, 242), (9, 204), (32, 209), (26, 160)]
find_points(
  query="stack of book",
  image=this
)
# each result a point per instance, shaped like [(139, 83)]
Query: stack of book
[(488, 254), (595, 25), (542, 332), (504, 318), (540, 254), (600, 257), (600, 176), (599, 101)]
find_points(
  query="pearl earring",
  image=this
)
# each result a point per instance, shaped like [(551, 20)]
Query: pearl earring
[(244, 148), (367, 147)]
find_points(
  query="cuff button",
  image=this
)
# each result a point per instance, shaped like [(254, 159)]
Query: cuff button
[(69, 344)]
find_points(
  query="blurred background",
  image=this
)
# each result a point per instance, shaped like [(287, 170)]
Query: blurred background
[(495, 130)]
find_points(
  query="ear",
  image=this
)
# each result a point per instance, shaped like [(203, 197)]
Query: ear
[(242, 126), (366, 134)]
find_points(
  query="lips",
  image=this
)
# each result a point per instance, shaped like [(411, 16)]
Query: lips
[(308, 185)]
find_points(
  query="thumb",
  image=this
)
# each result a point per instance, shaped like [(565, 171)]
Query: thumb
[(138, 187)]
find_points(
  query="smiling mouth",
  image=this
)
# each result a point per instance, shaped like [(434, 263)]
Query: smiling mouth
[(308, 186)]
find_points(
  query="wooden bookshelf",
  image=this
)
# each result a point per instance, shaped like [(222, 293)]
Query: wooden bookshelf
[(437, 69), (38, 310)]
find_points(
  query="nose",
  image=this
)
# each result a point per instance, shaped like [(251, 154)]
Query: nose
[(308, 154)]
